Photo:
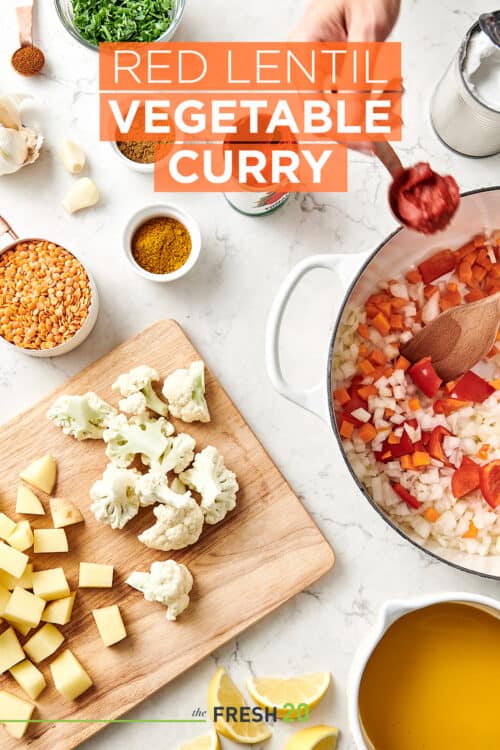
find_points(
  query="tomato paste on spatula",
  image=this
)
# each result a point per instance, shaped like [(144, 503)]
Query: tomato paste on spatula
[(424, 200)]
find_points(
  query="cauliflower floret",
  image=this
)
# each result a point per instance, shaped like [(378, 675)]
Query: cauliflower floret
[(126, 438), (177, 486), (140, 381), (185, 393), (114, 497), (82, 417), (216, 484), (135, 404), (178, 525), (179, 453), (168, 583)]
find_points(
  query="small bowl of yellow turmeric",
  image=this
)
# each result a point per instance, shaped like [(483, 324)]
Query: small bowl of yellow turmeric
[(162, 242)]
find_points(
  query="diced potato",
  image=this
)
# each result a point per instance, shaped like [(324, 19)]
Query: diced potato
[(24, 608), (12, 707), (12, 561), (25, 582), (94, 575), (41, 473), (64, 512), (110, 624), (50, 540), (50, 584), (22, 536), (7, 525), (29, 678), (22, 628), (70, 678), (4, 598), (27, 502), (10, 650), (59, 612), (43, 643)]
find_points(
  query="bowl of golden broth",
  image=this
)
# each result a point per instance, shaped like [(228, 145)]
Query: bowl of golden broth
[(427, 676)]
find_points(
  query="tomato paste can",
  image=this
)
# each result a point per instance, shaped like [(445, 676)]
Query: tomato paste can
[(254, 203)]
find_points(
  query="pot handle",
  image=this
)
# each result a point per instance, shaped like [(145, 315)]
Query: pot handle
[(5, 228), (314, 399)]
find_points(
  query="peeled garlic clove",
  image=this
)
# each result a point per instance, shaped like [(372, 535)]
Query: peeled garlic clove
[(83, 194), (72, 156)]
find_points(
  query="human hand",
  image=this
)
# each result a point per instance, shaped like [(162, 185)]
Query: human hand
[(346, 20)]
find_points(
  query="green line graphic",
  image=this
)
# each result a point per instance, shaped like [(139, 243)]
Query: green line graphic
[(103, 721)]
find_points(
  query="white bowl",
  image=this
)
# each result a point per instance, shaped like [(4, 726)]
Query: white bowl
[(88, 324), (137, 166), (390, 612), (150, 212)]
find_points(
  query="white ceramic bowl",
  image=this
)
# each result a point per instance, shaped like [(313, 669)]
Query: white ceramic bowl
[(90, 321), (390, 612), (150, 212), (130, 163)]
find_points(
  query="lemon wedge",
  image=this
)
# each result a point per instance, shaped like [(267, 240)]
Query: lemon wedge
[(206, 742), (223, 692), (276, 691), (314, 738)]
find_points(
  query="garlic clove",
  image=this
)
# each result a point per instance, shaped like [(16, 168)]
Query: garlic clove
[(13, 150), (83, 194), (72, 156), (9, 110)]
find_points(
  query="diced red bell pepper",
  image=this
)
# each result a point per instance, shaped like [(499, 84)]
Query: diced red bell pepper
[(489, 481), (437, 265), (466, 478), (435, 446), (403, 448), (406, 496), (425, 377), (470, 387), (447, 405)]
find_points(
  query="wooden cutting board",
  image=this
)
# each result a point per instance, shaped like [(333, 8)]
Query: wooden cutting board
[(266, 551)]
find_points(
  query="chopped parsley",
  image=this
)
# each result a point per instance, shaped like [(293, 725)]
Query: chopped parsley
[(121, 20)]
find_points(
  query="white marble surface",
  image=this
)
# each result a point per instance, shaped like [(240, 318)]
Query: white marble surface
[(223, 305)]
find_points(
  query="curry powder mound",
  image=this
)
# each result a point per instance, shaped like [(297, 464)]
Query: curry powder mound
[(161, 245)]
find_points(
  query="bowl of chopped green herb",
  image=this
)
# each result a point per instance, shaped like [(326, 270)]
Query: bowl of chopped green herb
[(91, 22)]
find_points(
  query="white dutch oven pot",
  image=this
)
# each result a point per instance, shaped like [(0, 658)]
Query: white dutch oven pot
[(359, 274), (390, 612), (90, 320)]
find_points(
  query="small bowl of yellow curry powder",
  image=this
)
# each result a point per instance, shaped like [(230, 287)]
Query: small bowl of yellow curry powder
[(162, 242)]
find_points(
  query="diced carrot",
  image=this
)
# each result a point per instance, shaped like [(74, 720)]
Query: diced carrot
[(385, 307), (437, 265), (465, 273), (450, 385), (386, 455), (474, 295), (414, 404), (377, 373), (366, 391), (367, 432), (363, 331), (388, 413), (471, 532), (393, 439), (397, 322), (363, 349), (429, 290), (498, 335), (451, 298), (405, 463), (366, 367), (402, 363), (381, 324), (346, 429), (398, 302), (388, 371), (378, 357), (341, 396), (471, 257), (420, 458), (413, 276), (483, 259), (452, 287), (479, 239), (495, 384), (483, 451), (463, 251), (492, 352), (371, 310), (431, 514), (448, 405)]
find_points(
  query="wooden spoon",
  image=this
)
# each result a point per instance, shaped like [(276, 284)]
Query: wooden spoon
[(458, 338)]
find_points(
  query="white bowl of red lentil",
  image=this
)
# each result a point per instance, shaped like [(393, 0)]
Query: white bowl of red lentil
[(48, 301), (159, 211)]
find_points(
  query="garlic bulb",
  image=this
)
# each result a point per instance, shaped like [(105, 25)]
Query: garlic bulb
[(19, 145)]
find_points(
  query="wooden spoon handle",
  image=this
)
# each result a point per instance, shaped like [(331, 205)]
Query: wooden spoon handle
[(389, 158), (25, 23)]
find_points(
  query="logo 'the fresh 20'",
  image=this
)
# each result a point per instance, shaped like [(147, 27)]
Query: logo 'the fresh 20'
[(255, 714)]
